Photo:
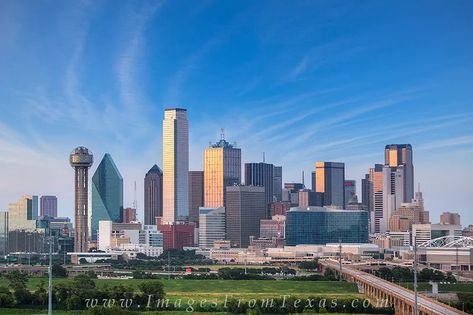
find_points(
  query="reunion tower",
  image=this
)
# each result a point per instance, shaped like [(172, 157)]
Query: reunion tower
[(81, 160)]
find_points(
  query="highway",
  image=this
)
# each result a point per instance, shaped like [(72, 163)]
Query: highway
[(428, 304)]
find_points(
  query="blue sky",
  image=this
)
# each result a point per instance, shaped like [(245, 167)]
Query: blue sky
[(303, 81)]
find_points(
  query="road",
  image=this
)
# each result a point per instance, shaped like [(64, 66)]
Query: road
[(431, 305)]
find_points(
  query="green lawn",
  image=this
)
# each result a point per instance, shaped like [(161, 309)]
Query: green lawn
[(453, 287), (233, 288)]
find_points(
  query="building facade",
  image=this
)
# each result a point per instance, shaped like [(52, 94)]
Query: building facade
[(350, 191), (318, 225), (129, 215), (277, 183), (273, 228), (222, 168), (211, 226), (330, 180), (246, 206), (261, 174), (23, 213), (107, 194), (175, 165), (196, 195), (153, 191), (398, 157), (378, 218), (48, 206), (177, 235), (450, 218)]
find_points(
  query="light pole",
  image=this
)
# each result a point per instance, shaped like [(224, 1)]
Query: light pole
[(50, 273), (415, 275)]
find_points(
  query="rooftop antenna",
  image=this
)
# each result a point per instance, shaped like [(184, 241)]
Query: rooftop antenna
[(418, 187), (135, 202), (222, 134), (303, 184), (264, 159)]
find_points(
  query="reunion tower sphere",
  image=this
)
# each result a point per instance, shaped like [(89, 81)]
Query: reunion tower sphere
[(81, 157)]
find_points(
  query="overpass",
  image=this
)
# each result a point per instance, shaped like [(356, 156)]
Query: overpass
[(394, 295)]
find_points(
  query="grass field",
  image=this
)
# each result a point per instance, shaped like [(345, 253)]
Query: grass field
[(453, 287), (233, 288)]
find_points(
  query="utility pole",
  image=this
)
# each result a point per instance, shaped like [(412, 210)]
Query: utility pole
[(415, 275), (169, 265), (50, 273), (340, 258)]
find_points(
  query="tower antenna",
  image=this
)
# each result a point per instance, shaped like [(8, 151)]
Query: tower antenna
[(222, 134), (303, 184), (135, 202), (264, 158)]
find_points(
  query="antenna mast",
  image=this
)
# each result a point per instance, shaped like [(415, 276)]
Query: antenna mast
[(135, 202)]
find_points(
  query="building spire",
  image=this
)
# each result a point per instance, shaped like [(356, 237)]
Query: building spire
[(222, 134), (264, 158)]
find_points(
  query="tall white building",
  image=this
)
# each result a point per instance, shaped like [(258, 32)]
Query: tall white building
[(175, 165), (211, 226), (22, 214)]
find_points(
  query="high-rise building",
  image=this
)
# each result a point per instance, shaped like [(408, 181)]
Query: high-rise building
[(81, 160), (402, 219), (177, 235), (330, 179), (175, 165), (400, 156), (280, 207), (365, 192), (277, 183), (261, 174), (309, 198), (273, 228), (246, 206), (153, 192), (4, 232), (129, 215), (222, 168), (350, 191), (291, 193), (450, 218), (211, 226), (48, 206), (313, 180), (107, 194), (318, 225), (196, 195), (378, 219), (22, 214)]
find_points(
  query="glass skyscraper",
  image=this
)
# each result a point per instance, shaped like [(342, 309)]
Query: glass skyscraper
[(153, 191), (175, 165), (107, 194), (330, 180), (318, 225)]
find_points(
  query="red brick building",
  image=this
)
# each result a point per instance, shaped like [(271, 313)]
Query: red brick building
[(177, 236)]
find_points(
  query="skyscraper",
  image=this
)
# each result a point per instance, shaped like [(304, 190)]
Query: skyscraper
[(129, 215), (196, 195), (398, 157), (379, 219), (107, 194), (246, 206), (350, 191), (330, 179), (222, 168), (175, 165), (261, 174), (211, 226), (277, 183), (153, 192), (22, 214), (81, 160), (48, 206), (365, 192)]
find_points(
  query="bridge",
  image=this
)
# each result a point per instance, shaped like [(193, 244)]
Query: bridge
[(394, 295)]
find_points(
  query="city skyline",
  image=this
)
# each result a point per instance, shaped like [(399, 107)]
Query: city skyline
[(325, 100)]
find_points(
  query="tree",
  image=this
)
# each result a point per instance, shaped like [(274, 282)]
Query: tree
[(59, 271), (309, 265), (329, 275), (153, 288), (6, 298)]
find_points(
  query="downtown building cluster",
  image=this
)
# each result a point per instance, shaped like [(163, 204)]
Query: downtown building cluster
[(217, 212)]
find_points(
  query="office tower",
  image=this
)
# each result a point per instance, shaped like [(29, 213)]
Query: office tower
[(450, 218), (365, 192), (4, 232), (81, 160), (402, 219), (261, 174), (211, 226), (330, 179), (175, 165), (309, 198), (153, 192), (291, 193), (177, 235), (274, 227), (312, 180), (22, 214), (246, 206), (48, 206), (129, 215), (107, 194), (196, 195), (277, 183), (280, 207), (400, 156), (318, 225), (350, 191), (222, 168), (378, 219)]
